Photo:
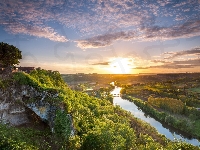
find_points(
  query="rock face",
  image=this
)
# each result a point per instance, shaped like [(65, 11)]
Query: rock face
[(15, 100), (11, 113)]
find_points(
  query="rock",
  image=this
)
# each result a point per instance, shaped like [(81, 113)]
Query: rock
[(17, 98)]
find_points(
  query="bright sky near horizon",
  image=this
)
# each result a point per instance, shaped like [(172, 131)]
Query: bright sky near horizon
[(101, 36)]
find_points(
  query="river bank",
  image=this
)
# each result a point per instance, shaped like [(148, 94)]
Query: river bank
[(181, 124), (169, 133)]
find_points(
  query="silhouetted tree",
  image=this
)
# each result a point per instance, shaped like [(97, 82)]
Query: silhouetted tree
[(9, 55)]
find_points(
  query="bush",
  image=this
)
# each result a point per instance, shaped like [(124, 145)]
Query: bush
[(62, 125)]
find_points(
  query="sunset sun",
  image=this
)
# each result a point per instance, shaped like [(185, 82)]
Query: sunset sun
[(120, 66)]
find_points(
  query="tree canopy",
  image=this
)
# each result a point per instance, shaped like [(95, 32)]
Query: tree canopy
[(9, 55)]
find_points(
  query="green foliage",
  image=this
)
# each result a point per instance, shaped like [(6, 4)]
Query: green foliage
[(25, 79), (169, 104), (22, 139), (146, 142), (98, 124), (109, 135), (1, 84), (180, 145), (191, 112), (5, 83), (9, 54), (49, 79), (74, 142), (62, 125), (8, 143), (104, 93), (123, 91), (41, 79)]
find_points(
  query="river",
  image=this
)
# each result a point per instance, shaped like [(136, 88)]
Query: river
[(169, 133)]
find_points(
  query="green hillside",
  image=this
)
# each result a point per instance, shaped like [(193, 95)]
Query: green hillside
[(98, 124)]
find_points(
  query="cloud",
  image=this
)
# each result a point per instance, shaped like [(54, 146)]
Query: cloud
[(105, 40), (194, 51), (28, 18), (141, 68), (169, 63), (42, 32), (191, 63), (100, 23), (103, 63), (175, 65), (188, 29), (158, 61), (195, 62), (180, 64)]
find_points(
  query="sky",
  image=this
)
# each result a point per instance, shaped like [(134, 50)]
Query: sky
[(104, 36)]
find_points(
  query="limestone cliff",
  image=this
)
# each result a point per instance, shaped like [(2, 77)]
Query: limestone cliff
[(16, 102)]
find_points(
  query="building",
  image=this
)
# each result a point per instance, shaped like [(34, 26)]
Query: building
[(26, 69)]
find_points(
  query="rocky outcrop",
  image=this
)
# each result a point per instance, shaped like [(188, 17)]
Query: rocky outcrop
[(12, 113), (15, 100)]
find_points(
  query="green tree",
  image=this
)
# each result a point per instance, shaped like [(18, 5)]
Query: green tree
[(123, 91), (9, 55)]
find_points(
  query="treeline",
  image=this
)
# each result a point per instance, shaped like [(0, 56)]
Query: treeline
[(175, 106), (169, 104), (185, 90), (98, 124)]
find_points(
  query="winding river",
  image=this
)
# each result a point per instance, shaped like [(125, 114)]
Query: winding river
[(129, 106)]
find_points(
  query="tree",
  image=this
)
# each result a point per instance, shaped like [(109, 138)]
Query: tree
[(9, 55), (123, 91)]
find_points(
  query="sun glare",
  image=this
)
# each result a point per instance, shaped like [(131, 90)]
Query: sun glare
[(121, 66)]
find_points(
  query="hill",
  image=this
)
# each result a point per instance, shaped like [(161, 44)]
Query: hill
[(56, 117)]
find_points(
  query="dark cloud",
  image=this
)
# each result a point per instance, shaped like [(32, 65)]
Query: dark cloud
[(141, 68), (194, 51), (105, 40), (176, 64), (159, 61), (169, 63), (195, 62), (103, 63), (186, 30)]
